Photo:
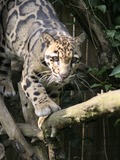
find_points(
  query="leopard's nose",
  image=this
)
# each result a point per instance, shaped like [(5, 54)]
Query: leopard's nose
[(64, 76)]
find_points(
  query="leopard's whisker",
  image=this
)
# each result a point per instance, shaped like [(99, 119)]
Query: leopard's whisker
[(45, 72), (44, 78), (78, 87), (84, 81), (76, 83), (50, 79), (69, 78), (72, 76)]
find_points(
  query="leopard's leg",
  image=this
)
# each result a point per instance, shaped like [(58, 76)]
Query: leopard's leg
[(6, 87), (54, 95), (35, 91)]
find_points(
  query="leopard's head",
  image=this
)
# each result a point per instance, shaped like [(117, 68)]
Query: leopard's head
[(62, 56)]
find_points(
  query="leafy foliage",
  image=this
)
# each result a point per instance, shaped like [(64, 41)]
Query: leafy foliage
[(103, 78), (111, 11), (108, 14), (116, 72)]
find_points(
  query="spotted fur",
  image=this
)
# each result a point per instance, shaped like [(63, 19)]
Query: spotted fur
[(31, 33)]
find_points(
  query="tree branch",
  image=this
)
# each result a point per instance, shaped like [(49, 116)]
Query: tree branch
[(100, 105)]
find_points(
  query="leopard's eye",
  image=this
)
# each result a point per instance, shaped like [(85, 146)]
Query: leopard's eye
[(75, 60), (55, 58)]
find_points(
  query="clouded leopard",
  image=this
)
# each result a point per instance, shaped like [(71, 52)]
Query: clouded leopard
[(31, 32)]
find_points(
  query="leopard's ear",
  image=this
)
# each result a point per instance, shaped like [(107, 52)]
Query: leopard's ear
[(81, 38), (47, 38)]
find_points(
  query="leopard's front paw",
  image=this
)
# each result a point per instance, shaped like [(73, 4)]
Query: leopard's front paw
[(46, 108), (6, 88)]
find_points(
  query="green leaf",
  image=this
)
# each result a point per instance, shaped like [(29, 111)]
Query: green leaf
[(116, 122), (115, 71), (110, 33), (103, 69), (115, 43), (117, 75), (108, 87), (93, 70), (102, 8), (117, 27), (117, 36), (96, 85)]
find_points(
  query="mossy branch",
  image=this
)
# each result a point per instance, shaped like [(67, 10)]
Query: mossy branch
[(102, 104)]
